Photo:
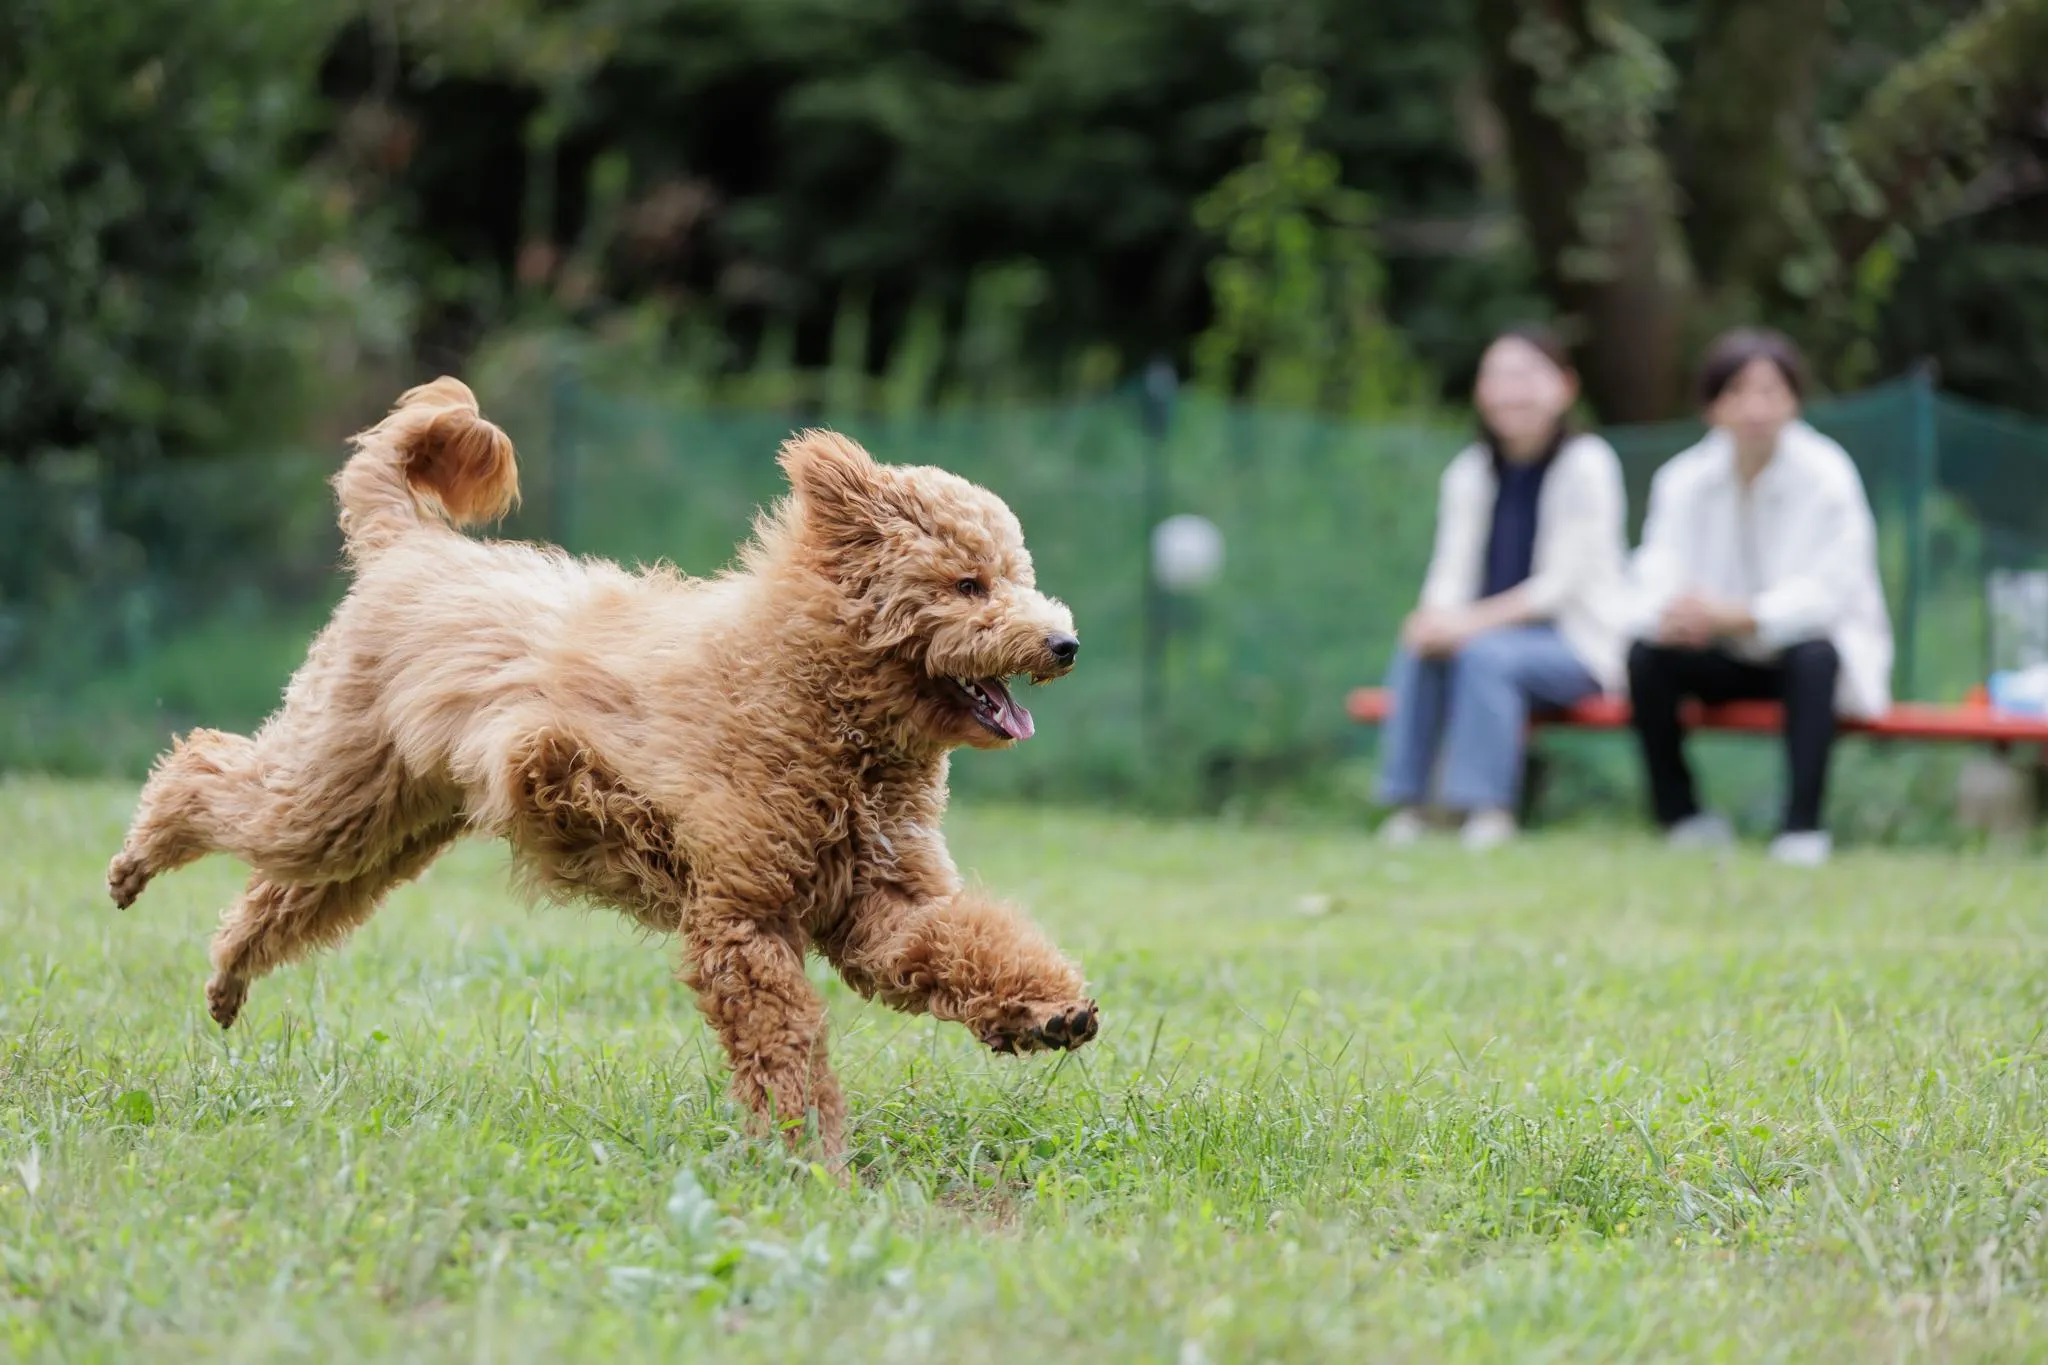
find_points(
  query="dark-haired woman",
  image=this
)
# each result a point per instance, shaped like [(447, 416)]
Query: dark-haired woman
[(1522, 604), (1757, 579)]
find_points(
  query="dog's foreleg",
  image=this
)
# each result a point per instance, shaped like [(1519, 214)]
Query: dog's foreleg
[(970, 959), (749, 978)]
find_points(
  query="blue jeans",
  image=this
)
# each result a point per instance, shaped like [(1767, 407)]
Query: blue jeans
[(1475, 706)]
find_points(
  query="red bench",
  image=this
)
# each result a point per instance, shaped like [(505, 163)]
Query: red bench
[(1973, 723)]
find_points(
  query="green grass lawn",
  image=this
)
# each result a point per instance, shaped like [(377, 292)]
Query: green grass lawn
[(1581, 1101)]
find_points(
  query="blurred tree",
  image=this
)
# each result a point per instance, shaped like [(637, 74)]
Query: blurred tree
[(1298, 292), (1679, 166), (170, 271), (1665, 165), (989, 197), (788, 157)]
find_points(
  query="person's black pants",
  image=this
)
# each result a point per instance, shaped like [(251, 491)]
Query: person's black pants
[(1803, 678)]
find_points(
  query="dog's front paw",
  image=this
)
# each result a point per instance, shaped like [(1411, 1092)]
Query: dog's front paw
[(126, 876), (1062, 1026), (224, 997)]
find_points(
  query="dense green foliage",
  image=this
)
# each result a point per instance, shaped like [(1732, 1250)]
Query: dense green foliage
[(1582, 1101), (171, 267), (209, 210)]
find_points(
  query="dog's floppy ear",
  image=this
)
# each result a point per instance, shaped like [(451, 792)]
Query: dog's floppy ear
[(840, 484)]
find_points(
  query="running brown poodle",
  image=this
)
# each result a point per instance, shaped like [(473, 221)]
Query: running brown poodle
[(755, 762)]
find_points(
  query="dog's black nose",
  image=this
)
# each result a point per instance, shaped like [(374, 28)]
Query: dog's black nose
[(1064, 647)]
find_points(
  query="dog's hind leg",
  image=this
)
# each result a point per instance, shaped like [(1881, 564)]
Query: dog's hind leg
[(750, 984), (275, 922), (304, 801), (176, 822), (970, 959)]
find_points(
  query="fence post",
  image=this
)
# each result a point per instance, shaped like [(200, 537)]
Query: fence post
[(563, 394), (1158, 394), (1920, 482)]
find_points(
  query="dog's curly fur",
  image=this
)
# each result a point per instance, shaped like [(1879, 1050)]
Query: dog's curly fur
[(754, 762)]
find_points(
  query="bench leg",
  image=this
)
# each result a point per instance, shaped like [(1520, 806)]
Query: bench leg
[(1999, 795), (2036, 765), (1535, 772)]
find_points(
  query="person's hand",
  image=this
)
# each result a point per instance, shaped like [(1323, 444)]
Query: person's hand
[(1687, 623), (1415, 631), (1435, 633), (1694, 621)]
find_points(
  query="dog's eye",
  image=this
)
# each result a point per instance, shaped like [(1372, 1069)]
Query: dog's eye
[(970, 587)]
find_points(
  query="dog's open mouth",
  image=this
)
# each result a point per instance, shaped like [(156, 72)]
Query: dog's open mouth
[(989, 701)]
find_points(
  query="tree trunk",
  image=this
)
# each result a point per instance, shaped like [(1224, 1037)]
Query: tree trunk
[(1595, 196), (1742, 121)]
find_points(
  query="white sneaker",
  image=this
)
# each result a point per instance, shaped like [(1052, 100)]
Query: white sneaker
[(1486, 830), (1808, 848), (1404, 828), (1701, 831)]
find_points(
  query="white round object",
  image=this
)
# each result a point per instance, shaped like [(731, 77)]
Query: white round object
[(1187, 551)]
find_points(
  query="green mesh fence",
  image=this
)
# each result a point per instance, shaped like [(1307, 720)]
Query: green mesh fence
[(133, 604)]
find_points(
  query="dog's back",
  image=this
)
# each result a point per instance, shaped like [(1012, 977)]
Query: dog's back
[(439, 630)]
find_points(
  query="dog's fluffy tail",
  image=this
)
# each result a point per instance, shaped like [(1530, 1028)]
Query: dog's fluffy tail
[(433, 461)]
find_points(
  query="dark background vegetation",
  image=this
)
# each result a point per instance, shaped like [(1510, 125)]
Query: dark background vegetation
[(214, 213)]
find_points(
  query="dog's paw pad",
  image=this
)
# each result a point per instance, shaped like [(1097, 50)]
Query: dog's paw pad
[(1069, 1028), (126, 876), (224, 997), (1058, 1028)]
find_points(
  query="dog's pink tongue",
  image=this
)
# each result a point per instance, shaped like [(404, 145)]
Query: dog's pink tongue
[(1017, 720), (1011, 718)]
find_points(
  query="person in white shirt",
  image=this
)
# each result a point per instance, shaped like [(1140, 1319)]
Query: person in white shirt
[(1522, 604), (1756, 579)]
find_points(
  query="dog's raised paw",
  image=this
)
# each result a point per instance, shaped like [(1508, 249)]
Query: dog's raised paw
[(224, 997), (126, 876), (1069, 1028), (1058, 1027)]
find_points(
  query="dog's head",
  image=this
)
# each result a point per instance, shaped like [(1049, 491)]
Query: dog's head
[(935, 579)]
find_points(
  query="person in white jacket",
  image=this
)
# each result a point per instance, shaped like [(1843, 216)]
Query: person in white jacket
[(1756, 579), (1523, 601)]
